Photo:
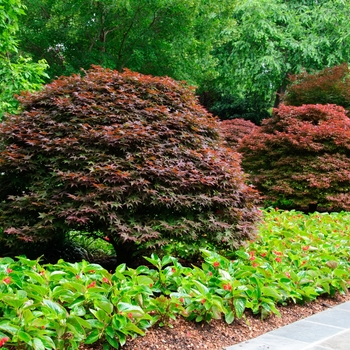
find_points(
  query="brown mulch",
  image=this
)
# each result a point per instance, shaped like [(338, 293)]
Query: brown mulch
[(218, 335)]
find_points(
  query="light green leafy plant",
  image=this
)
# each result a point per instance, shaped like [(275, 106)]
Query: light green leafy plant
[(296, 258)]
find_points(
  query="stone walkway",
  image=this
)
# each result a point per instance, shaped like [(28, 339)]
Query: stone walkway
[(327, 330)]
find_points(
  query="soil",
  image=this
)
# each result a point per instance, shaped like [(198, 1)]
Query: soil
[(218, 335)]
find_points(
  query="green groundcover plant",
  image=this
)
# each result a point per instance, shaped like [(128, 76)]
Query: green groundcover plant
[(60, 306)]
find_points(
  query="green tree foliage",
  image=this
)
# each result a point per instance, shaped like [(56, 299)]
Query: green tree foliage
[(124, 156), (302, 155), (331, 85), (238, 53), (272, 39), (158, 37), (17, 72)]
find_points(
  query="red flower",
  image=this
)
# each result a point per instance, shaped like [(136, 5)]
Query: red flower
[(210, 273), (277, 253), (255, 264), (252, 257), (3, 341), (105, 280), (306, 247), (278, 260), (216, 264), (130, 315), (203, 301), (9, 270), (227, 286), (182, 300), (77, 277), (106, 238), (173, 270), (7, 280), (263, 254), (151, 285), (303, 262), (92, 284), (288, 274)]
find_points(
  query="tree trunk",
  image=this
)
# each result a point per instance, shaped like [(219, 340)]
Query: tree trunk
[(125, 252), (312, 207)]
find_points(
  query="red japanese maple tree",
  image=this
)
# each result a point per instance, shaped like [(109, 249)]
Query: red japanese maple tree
[(331, 85), (301, 156), (125, 156), (233, 130)]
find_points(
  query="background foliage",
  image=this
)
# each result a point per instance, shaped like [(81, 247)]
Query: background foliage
[(17, 71), (157, 37), (238, 53)]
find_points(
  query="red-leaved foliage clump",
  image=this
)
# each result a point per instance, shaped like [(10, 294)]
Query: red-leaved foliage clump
[(233, 130), (329, 86), (124, 156), (302, 154)]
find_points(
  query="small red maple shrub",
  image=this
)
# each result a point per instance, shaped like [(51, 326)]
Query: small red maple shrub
[(329, 86), (302, 154), (233, 130), (129, 157)]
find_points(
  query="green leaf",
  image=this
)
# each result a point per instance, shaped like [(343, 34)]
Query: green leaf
[(75, 327), (201, 287), (271, 292), (79, 287), (95, 323), (132, 327), (239, 305), (144, 280), (225, 275), (101, 315), (8, 327), (35, 291), (92, 337), (38, 344), (24, 336), (36, 277), (113, 342), (229, 317), (134, 309), (122, 338), (106, 306), (48, 342), (110, 331)]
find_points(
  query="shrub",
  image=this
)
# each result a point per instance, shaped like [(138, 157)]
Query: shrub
[(302, 155), (233, 130), (122, 156), (226, 106), (331, 85)]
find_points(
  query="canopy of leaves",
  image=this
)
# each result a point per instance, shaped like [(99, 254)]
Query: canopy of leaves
[(233, 130), (302, 154), (133, 157), (17, 72), (272, 39), (331, 85), (173, 38)]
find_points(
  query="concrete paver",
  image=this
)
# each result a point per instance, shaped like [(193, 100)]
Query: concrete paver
[(327, 330)]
